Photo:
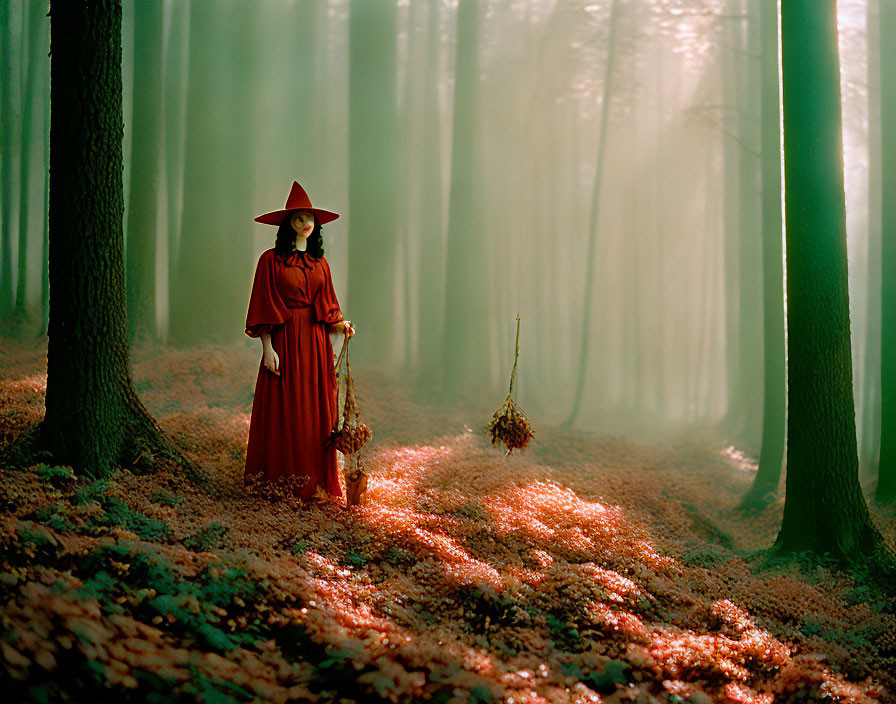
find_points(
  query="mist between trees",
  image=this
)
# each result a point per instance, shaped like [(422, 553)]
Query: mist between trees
[(610, 169)]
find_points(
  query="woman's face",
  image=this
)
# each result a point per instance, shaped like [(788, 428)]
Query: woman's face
[(302, 222)]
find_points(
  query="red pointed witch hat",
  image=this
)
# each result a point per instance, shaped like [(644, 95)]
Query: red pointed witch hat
[(297, 200)]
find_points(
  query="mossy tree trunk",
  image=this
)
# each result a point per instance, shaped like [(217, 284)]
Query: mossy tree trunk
[(824, 511), (94, 419)]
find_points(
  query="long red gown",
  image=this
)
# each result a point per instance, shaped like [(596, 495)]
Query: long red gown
[(292, 414)]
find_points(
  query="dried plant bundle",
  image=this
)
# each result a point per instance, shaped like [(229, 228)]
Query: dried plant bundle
[(352, 435), (510, 424)]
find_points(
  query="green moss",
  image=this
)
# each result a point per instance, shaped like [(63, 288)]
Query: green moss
[(603, 680), (59, 477), (400, 556), (357, 559), (165, 498), (706, 555), (189, 607), (91, 492), (120, 514), (55, 517), (208, 537)]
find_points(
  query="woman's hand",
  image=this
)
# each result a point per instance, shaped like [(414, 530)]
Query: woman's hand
[(272, 360), (347, 328)]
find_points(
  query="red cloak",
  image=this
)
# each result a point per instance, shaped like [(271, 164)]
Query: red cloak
[(293, 413)]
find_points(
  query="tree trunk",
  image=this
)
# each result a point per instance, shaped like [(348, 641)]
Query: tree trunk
[(45, 243), (176, 50), (145, 154), (32, 39), (772, 454), (591, 254), (824, 511), (749, 234), (373, 164), (869, 438), (196, 316), (94, 419), (886, 488), (9, 131), (239, 169), (431, 258), (466, 336)]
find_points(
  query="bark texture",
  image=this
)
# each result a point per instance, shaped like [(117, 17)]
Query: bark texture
[(825, 511), (94, 419)]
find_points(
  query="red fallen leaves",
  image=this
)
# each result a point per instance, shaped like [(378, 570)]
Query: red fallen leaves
[(579, 534)]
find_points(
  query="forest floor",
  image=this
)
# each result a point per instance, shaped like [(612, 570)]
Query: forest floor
[(586, 569)]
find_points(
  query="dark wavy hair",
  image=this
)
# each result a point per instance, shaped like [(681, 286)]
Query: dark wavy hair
[(286, 238)]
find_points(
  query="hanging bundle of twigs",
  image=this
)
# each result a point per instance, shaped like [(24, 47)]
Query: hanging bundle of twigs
[(510, 424), (352, 435)]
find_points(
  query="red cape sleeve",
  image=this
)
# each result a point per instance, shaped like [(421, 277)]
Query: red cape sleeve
[(326, 307), (266, 307)]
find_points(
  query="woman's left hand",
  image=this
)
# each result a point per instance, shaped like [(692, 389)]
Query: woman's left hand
[(347, 328)]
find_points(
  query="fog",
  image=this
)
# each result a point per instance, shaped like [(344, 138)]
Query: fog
[(594, 166)]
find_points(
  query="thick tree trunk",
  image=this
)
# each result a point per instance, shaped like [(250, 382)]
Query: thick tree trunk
[(591, 253), (465, 353), (94, 419), (773, 430), (145, 154), (373, 163), (824, 511), (886, 489)]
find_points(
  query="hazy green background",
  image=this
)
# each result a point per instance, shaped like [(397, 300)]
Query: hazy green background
[(461, 144)]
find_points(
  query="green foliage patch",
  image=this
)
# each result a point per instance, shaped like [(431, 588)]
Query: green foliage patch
[(59, 477), (208, 537), (165, 498), (55, 516), (189, 608), (604, 680), (706, 555)]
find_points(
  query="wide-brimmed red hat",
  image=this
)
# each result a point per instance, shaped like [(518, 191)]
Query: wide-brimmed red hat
[(297, 200)]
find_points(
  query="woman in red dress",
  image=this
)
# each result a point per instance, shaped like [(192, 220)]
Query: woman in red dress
[(293, 308)]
